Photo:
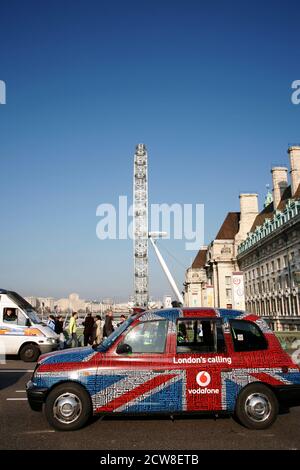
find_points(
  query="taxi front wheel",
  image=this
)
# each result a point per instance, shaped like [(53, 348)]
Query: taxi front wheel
[(256, 407), (68, 407)]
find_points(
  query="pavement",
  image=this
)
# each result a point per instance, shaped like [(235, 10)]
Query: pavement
[(21, 428)]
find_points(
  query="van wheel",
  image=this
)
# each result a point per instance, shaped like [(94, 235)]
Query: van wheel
[(29, 353), (256, 407), (68, 407)]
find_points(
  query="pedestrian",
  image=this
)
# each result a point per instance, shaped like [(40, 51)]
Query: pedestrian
[(97, 331), (122, 319), (108, 324), (59, 329), (73, 330), (88, 329), (51, 322)]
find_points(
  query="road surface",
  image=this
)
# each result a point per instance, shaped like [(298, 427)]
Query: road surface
[(21, 428)]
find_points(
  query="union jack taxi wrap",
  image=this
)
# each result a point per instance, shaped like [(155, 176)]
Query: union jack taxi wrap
[(174, 378)]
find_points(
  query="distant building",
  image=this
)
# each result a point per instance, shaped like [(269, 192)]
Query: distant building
[(42, 304), (270, 255), (214, 278), (196, 281)]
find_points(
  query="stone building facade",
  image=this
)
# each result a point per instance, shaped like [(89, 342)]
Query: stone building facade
[(210, 281), (270, 255)]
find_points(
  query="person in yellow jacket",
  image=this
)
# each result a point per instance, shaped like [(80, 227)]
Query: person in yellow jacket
[(73, 330)]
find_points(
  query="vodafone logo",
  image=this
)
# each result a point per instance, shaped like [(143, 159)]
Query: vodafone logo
[(203, 379)]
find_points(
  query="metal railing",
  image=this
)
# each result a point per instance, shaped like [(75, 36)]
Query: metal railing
[(289, 340)]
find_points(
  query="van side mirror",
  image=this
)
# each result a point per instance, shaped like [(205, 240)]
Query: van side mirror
[(124, 348), (28, 322)]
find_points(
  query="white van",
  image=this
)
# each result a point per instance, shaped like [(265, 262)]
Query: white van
[(21, 330)]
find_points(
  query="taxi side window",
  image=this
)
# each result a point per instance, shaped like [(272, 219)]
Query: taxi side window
[(198, 336), (247, 336), (147, 337)]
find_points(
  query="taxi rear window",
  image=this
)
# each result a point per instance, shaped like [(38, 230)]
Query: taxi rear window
[(247, 336)]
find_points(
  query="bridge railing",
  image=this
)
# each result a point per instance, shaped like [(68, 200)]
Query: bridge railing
[(289, 340)]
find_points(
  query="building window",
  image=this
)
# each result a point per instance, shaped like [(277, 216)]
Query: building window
[(228, 294), (292, 258), (278, 264), (273, 283), (228, 280), (279, 282), (267, 268), (272, 266), (286, 280), (285, 262)]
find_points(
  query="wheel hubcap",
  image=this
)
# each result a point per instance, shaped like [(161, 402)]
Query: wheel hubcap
[(29, 353), (258, 407), (67, 408)]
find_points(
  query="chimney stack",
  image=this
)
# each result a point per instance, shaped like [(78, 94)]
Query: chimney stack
[(248, 210), (280, 182), (294, 153)]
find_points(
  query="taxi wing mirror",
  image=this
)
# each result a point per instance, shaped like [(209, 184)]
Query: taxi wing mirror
[(124, 348), (28, 322)]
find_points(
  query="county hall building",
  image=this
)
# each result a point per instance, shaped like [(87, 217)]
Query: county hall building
[(270, 255)]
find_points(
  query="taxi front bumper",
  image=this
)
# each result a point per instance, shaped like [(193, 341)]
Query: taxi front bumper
[(36, 396)]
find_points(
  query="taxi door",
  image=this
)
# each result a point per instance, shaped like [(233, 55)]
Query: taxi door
[(136, 376), (200, 352)]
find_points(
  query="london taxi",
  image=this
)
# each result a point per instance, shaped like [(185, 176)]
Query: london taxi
[(179, 360), (21, 330)]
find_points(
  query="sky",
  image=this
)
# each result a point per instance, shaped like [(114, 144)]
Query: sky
[(205, 85)]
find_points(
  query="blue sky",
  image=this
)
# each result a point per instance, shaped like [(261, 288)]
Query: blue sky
[(207, 87)]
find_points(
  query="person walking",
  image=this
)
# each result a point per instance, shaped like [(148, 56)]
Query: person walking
[(108, 324), (97, 331), (73, 330), (51, 322), (122, 319), (59, 329), (88, 329)]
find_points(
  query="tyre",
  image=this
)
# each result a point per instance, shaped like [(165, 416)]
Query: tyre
[(256, 407), (29, 352), (68, 407)]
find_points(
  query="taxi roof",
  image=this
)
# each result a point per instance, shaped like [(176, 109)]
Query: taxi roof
[(194, 312)]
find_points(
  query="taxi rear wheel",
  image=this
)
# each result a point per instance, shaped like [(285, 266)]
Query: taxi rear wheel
[(256, 407), (68, 407), (29, 352)]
